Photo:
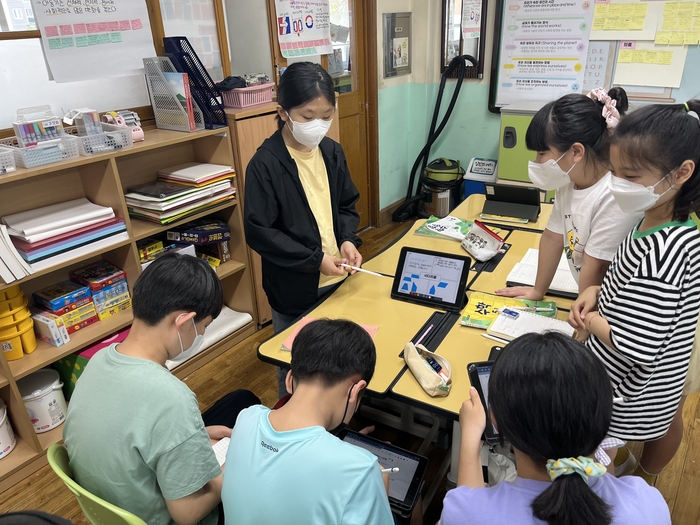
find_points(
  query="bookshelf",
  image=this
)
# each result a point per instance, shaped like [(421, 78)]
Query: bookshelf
[(103, 179)]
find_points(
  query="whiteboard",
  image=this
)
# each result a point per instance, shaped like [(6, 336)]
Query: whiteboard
[(24, 82)]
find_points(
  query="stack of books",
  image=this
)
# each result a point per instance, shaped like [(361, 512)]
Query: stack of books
[(41, 238), (181, 191), (108, 286), (63, 308)]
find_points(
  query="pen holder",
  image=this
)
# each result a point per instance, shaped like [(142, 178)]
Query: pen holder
[(432, 371), (66, 148)]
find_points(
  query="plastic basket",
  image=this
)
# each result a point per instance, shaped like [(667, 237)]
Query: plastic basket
[(248, 96), (7, 160), (114, 138), (33, 156)]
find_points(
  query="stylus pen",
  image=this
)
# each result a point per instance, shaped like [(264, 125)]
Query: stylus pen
[(526, 308), (390, 470), (358, 269)]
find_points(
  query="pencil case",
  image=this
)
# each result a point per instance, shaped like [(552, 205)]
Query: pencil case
[(431, 370)]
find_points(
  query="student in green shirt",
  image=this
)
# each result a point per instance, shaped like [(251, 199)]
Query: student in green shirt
[(134, 433)]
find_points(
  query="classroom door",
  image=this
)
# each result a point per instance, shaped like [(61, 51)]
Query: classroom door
[(347, 65)]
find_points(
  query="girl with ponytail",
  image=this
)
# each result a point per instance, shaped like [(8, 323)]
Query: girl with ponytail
[(552, 400), (642, 319)]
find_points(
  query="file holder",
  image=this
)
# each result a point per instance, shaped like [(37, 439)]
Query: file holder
[(185, 59), (167, 109)]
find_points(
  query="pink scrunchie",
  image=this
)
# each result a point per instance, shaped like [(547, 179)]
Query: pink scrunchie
[(610, 112)]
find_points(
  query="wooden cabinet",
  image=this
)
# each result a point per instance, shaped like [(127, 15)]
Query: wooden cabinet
[(103, 179), (249, 128)]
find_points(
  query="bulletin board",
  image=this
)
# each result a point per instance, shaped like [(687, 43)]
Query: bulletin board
[(645, 46)]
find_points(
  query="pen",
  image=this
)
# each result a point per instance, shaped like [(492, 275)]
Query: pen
[(494, 338), (390, 470), (358, 269), (526, 308), (420, 339)]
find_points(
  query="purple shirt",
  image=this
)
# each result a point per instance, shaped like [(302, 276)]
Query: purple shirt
[(633, 502)]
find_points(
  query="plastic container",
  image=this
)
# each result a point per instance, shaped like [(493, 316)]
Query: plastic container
[(248, 96), (11, 305), (113, 138), (9, 293), (43, 398), (14, 320), (66, 148), (7, 436), (16, 344), (7, 162)]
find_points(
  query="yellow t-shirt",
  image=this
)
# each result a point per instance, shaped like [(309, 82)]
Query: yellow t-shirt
[(314, 179)]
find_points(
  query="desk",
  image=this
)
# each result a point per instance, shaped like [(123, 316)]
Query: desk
[(470, 209), (520, 242), (365, 299)]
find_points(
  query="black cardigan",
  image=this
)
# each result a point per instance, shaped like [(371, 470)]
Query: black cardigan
[(280, 226)]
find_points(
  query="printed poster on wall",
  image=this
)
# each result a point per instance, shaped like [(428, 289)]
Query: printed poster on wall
[(303, 28), (471, 18), (90, 39), (544, 44)]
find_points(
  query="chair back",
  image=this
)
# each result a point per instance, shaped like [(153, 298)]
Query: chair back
[(97, 510)]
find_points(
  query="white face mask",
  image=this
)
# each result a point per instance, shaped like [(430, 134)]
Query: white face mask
[(632, 197), (194, 347), (310, 134), (548, 175)]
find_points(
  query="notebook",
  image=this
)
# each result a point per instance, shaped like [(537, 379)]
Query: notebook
[(525, 272), (482, 308), (221, 449), (195, 172), (287, 343), (508, 328)]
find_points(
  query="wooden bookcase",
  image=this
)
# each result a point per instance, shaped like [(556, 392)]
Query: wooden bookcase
[(103, 179)]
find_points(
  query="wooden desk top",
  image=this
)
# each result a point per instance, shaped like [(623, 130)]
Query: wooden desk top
[(365, 299), (463, 345), (520, 242)]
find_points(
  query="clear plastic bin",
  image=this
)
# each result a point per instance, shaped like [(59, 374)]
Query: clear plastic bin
[(248, 96), (113, 138), (66, 148), (7, 160)]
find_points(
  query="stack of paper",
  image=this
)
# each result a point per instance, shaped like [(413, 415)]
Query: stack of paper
[(53, 234), (181, 191), (525, 272)]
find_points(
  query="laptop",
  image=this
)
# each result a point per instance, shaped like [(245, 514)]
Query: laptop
[(522, 202)]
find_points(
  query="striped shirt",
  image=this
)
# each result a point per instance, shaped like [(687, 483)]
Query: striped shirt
[(650, 297)]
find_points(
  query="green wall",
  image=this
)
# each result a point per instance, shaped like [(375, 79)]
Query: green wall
[(405, 111)]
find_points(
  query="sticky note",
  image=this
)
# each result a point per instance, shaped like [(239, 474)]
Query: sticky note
[(599, 24), (637, 57), (662, 38), (93, 27), (93, 40), (625, 57), (81, 41), (692, 38), (669, 23), (677, 38), (601, 10), (615, 10), (686, 8), (103, 38), (650, 57), (67, 41), (671, 8), (54, 43), (637, 23), (696, 11), (623, 24), (612, 24), (79, 29), (124, 25), (665, 58), (115, 37), (51, 31), (113, 26), (684, 23), (136, 24), (639, 9), (66, 29)]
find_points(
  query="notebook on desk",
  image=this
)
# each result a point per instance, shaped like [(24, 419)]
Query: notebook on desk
[(524, 273), (508, 328)]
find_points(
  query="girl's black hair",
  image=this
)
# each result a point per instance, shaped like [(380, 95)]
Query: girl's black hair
[(302, 82), (663, 136), (574, 118), (552, 398)]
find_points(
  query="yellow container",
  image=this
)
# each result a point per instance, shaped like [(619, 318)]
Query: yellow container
[(12, 304), (9, 293), (20, 343), (23, 319), (11, 317)]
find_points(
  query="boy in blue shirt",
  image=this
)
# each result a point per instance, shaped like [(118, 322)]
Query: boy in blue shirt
[(283, 466)]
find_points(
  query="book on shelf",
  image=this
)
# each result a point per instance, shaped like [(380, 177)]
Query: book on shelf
[(482, 308), (179, 84), (28, 247), (80, 251), (176, 214), (508, 328), (446, 228), (196, 173), (524, 273), (11, 257), (157, 191), (5, 273), (196, 194), (54, 218)]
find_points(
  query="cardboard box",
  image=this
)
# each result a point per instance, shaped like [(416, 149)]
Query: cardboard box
[(113, 310), (148, 247), (109, 293), (50, 328), (218, 250), (59, 295), (204, 231), (87, 316), (98, 275)]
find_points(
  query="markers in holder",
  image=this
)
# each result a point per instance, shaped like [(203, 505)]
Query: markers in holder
[(88, 123), (31, 133)]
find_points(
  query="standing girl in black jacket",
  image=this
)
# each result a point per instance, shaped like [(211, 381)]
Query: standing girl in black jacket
[(300, 211)]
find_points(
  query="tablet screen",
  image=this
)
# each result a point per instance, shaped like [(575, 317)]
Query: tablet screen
[(399, 482), (431, 278)]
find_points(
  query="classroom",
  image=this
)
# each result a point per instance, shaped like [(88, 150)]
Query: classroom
[(350, 261)]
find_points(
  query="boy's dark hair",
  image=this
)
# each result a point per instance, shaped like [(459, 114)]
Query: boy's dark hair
[(663, 136), (331, 350), (177, 282), (31, 517), (574, 118), (551, 399), (302, 82)]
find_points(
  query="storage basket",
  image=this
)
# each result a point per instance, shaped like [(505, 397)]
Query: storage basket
[(113, 138), (7, 160), (33, 156), (248, 96)]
